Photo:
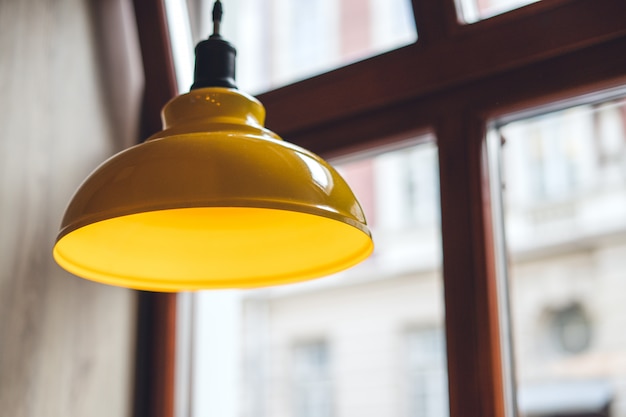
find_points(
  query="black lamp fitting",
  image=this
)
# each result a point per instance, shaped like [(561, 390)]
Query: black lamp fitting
[(215, 58)]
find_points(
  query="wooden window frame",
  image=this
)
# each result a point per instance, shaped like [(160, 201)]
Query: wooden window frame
[(452, 81)]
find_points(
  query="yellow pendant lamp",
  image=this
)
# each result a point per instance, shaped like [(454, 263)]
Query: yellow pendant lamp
[(214, 200)]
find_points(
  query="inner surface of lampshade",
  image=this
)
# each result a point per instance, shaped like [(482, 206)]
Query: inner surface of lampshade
[(211, 247)]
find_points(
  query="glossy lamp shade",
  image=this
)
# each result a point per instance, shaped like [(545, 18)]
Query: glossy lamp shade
[(214, 200)]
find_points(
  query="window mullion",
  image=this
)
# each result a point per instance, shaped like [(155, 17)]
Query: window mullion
[(472, 329), (433, 19)]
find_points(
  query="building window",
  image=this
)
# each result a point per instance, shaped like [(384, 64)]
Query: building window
[(610, 133), (312, 385), (570, 329), (413, 199), (427, 383)]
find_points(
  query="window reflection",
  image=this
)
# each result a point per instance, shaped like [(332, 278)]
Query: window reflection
[(319, 174), (471, 11)]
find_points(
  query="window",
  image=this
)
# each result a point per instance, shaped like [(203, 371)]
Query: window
[(566, 237), (309, 25), (416, 202), (281, 41), (571, 329), (330, 347), (451, 82)]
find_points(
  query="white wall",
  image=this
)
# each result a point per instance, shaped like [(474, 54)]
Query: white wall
[(66, 344)]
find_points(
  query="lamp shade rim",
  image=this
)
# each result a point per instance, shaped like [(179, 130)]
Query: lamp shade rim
[(206, 260), (322, 211), (178, 284)]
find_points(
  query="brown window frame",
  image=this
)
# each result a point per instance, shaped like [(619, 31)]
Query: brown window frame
[(452, 81)]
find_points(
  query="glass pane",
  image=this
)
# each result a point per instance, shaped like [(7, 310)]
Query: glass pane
[(365, 342), (281, 41), (564, 200), (471, 11)]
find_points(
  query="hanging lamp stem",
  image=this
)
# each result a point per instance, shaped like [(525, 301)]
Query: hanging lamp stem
[(217, 17)]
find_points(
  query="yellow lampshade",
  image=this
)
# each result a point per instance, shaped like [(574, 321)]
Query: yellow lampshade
[(214, 200)]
